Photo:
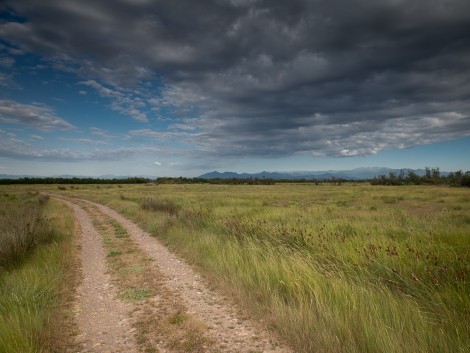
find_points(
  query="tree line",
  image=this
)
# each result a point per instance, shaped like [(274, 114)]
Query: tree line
[(52, 180), (136, 180), (432, 176)]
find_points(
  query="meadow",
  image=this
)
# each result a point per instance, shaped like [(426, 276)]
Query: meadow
[(349, 268)]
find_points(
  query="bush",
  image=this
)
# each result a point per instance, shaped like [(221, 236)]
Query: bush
[(167, 206), (21, 231), (42, 199), (465, 181)]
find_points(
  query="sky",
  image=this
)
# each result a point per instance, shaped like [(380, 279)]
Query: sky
[(180, 88)]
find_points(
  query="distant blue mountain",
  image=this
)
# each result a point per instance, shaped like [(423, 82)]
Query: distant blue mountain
[(353, 174)]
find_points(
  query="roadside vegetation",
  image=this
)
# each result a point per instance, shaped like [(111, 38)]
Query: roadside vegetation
[(35, 237), (350, 268)]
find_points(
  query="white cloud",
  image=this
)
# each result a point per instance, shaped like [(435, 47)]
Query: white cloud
[(167, 165), (34, 115), (184, 127), (122, 100), (100, 132), (19, 149)]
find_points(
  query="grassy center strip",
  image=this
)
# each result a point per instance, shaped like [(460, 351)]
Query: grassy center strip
[(159, 318)]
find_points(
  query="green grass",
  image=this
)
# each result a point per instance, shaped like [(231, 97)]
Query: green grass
[(135, 294), (114, 253), (178, 318), (33, 270), (119, 231), (350, 268)]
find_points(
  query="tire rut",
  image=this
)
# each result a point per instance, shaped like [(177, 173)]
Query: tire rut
[(102, 319)]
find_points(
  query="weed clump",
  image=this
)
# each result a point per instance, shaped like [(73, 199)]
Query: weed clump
[(42, 199), (21, 230), (155, 205)]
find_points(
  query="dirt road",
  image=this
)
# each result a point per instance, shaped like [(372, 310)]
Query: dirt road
[(136, 296)]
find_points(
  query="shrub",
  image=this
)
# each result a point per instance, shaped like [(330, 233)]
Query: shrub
[(21, 231), (167, 206), (42, 199)]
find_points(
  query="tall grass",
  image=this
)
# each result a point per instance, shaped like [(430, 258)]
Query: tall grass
[(153, 204), (22, 228), (32, 252), (332, 269)]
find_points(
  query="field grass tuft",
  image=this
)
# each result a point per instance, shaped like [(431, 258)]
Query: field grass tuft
[(167, 206), (22, 228)]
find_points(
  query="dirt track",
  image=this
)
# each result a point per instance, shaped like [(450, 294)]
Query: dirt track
[(107, 323)]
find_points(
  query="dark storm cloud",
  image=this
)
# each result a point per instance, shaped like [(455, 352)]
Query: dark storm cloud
[(335, 78)]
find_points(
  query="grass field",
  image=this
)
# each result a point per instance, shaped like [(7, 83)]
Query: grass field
[(350, 268), (35, 233)]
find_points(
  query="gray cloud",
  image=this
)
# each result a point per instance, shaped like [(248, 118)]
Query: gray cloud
[(5, 79), (6, 61), (270, 78), (34, 115), (164, 135)]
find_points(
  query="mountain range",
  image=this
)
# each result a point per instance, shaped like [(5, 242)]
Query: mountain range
[(352, 174)]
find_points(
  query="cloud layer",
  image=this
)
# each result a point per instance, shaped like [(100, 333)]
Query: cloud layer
[(264, 78), (33, 115)]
